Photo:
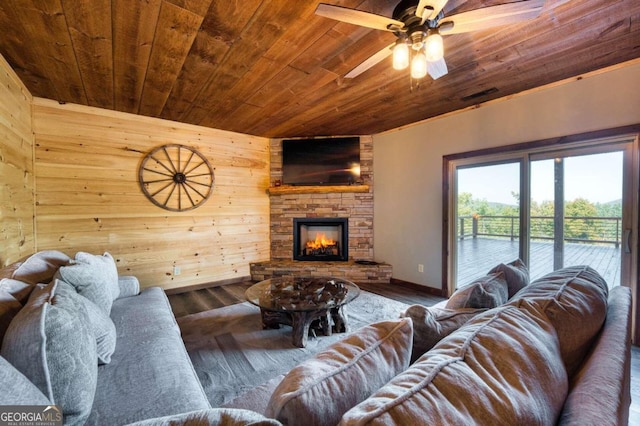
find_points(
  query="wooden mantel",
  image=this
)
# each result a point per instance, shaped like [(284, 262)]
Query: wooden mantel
[(286, 189)]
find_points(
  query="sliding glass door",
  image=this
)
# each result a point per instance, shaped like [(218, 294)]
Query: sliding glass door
[(551, 208)]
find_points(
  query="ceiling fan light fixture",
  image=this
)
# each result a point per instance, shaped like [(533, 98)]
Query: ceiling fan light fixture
[(419, 65), (418, 24), (417, 39), (433, 46), (400, 55)]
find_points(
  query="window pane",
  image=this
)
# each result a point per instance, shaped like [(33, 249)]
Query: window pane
[(590, 188), (593, 213), (487, 218)]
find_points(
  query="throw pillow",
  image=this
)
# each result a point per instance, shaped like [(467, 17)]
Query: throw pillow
[(503, 367), (575, 299), (18, 289), (21, 391), (516, 273), (320, 390), (8, 270), (484, 293), (102, 327), (430, 325), (110, 265), (40, 267), (9, 308), (213, 416), (93, 276), (50, 342)]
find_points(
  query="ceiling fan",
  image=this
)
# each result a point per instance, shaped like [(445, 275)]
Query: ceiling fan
[(419, 26)]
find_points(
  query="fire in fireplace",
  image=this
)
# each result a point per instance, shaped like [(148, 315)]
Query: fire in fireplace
[(321, 246), (321, 239)]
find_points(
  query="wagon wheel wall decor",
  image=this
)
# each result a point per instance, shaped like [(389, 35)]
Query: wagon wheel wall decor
[(176, 177)]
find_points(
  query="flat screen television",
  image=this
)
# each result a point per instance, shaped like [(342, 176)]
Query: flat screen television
[(326, 161)]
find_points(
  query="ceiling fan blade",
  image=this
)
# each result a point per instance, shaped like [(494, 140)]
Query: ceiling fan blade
[(489, 17), (429, 9), (437, 69), (357, 17), (422, 11), (373, 60)]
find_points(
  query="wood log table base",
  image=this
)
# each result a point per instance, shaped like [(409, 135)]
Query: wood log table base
[(315, 304), (326, 321)]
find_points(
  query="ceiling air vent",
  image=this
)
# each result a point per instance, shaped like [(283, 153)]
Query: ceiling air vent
[(479, 94)]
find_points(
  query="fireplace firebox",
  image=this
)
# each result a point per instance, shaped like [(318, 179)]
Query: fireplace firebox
[(321, 239)]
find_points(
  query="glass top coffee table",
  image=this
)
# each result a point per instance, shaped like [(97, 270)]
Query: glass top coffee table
[(304, 303)]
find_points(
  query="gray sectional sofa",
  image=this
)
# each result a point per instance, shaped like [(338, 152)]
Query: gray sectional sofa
[(500, 351), (58, 348)]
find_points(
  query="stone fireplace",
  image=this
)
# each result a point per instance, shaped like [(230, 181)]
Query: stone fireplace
[(352, 204), (321, 239)]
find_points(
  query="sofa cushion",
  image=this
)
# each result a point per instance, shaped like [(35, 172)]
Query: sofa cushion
[(21, 391), (430, 325), (149, 348), (485, 292), (213, 416), (515, 273), (320, 390), (575, 300), (153, 367), (502, 367), (95, 277), (50, 342), (40, 267)]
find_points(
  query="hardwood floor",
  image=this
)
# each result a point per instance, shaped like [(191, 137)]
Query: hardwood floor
[(215, 297), (192, 302)]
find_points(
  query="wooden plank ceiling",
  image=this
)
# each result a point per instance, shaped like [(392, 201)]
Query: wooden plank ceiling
[(273, 68)]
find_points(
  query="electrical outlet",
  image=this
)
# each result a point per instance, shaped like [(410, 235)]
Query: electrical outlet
[(176, 270), (420, 267)]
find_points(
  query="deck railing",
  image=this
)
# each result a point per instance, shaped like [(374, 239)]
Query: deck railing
[(581, 229)]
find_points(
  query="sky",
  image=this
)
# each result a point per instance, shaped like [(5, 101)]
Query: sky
[(598, 178)]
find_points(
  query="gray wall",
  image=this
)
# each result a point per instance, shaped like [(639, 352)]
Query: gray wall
[(408, 162)]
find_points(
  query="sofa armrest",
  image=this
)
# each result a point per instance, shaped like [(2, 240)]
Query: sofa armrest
[(600, 390), (129, 286)]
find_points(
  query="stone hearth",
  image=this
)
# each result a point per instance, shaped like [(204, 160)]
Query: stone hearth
[(378, 273)]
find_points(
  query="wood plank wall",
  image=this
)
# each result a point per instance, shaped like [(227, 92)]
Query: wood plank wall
[(16, 168), (88, 197)]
